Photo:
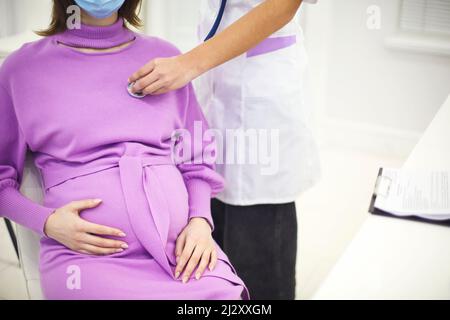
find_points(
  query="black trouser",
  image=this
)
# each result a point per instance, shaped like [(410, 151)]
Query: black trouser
[(261, 243)]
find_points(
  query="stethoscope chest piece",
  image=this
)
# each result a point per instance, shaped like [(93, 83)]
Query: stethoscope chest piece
[(138, 95)]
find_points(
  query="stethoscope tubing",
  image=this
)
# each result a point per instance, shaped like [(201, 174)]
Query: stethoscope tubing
[(216, 24)]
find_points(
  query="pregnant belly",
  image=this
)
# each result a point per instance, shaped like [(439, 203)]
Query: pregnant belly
[(113, 212)]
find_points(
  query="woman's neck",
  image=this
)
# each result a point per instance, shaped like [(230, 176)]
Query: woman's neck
[(87, 19), (91, 21), (107, 34)]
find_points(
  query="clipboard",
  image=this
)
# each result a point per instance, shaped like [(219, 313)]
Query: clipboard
[(382, 186)]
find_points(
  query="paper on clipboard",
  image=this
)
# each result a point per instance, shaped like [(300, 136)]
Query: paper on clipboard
[(421, 193)]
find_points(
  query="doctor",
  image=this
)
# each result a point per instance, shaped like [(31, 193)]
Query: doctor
[(252, 79)]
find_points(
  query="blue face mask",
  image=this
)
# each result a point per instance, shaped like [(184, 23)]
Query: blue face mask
[(100, 8)]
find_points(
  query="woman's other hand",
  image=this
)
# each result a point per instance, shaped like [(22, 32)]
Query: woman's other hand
[(195, 248), (162, 75), (66, 227)]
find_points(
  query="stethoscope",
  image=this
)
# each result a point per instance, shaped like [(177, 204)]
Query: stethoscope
[(211, 34)]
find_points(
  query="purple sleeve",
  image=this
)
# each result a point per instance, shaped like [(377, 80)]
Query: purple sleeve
[(198, 154), (13, 205)]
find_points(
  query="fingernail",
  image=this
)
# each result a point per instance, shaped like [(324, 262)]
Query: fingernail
[(177, 274), (119, 250), (210, 268), (124, 245), (185, 279), (121, 234), (197, 276), (98, 200)]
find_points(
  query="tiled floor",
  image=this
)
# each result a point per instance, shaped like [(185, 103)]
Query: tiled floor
[(329, 215)]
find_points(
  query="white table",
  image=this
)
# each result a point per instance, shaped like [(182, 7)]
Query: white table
[(399, 259)]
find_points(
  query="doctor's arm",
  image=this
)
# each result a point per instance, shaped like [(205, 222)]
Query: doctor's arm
[(165, 74)]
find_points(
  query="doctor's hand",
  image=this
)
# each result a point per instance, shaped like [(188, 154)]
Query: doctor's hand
[(66, 227), (195, 248), (162, 75)]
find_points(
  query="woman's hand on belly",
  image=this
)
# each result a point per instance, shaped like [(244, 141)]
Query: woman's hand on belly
[(67, 227), (195, 247)]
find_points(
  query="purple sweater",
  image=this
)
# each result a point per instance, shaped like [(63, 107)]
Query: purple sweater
[(72, 110)]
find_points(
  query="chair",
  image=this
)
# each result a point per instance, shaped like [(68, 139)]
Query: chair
[(27, 240), (12, 235)]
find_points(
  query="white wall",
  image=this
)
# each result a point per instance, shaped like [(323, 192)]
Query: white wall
[(174, 20), (24, 15), (361, 84)]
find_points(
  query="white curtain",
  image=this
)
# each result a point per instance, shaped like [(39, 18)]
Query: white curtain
[(7, 14)]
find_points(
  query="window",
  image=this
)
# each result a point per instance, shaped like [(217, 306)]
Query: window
[(424, 27), (425, 16)]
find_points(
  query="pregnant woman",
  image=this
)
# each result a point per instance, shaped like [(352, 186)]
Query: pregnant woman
[(121, 218)]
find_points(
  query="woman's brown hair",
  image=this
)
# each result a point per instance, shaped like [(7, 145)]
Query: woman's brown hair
[(128, 11)]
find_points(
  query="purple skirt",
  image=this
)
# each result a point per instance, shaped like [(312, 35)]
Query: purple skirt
[(150, 204)]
